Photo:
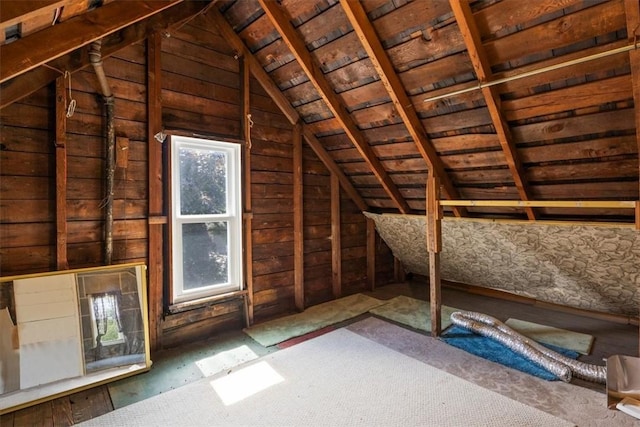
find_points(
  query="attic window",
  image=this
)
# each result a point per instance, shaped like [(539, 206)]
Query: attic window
[(206, 218)]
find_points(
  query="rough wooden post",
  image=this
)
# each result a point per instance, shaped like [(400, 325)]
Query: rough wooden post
[(336, 245), (61, 174), (248, 208), (434, 246), (298, 236), (156, 229)]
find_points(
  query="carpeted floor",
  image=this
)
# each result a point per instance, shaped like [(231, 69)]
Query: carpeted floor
[(338, 379), (582, 406)]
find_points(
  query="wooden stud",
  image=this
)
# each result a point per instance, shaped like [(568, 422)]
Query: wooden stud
[(61, 173), (156, 189), (216, 19), (434, 246), (381, 62), (638, 215), (471, 36), (248, 217), (336, 245), (298, 213), (280, 19), (371, 254)]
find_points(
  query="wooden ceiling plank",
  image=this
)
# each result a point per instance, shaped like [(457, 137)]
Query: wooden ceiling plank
[(15, 12), (216, 18), (392, 83), (632, 12), (471, 36), (281, 21), (29, 82), (30, 52)]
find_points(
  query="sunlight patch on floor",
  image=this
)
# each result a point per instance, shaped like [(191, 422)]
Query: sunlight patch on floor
[(246, 382), (225, 360)]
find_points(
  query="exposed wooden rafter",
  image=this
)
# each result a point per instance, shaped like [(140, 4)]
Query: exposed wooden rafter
[(51, 43), (26, 83), (281, 101), (15, 12), (632, 12), (281, 20), (380, 60), (471, 36)]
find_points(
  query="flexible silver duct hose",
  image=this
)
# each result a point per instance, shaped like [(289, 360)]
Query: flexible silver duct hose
[(561, 366)]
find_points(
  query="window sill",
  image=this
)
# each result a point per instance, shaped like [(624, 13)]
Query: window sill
[(203, 302)]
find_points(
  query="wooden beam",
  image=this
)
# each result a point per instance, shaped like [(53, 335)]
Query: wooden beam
[(402, 103), (16, 12), (632, 12), (472, 40), (371, 254), (281, 20), (216, 18), (41, 47), (624, 204), (156, 189), (298, 213), (61, 173), (336, 245), (434, 246), (31, 81), (245, 74)]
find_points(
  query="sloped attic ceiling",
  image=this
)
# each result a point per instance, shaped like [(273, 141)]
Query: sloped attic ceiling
[(501, 99)]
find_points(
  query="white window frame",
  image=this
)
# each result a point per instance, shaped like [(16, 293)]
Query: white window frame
[(233, 217)]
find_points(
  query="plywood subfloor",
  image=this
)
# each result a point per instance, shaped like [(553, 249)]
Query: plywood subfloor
[(610, 338)]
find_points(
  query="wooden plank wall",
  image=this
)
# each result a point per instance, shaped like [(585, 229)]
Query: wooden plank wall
[(201, 95)]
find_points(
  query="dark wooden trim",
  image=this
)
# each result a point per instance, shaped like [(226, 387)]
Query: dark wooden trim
[(61, 174), (156, 189), (298, 213), (203, 302), (336, 244)]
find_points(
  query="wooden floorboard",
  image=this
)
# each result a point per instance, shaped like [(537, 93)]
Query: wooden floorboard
[(610, 338)]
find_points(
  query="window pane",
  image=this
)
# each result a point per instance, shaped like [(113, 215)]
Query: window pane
[(203, 182), (204, 254)]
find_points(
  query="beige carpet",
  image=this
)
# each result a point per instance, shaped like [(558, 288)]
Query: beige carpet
[(312, 319), (582, 406), (412, 312), (337, 379)]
